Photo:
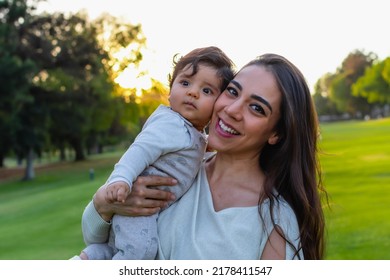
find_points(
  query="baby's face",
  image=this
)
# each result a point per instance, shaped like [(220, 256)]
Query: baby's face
[(193, 96)]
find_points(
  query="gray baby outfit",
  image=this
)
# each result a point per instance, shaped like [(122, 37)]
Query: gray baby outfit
[(168, 145)]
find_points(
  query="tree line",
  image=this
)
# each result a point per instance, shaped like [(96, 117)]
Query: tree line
[(359, 88), (57, 83)]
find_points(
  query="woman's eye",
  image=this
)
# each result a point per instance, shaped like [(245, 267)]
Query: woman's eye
[(258, 109), (232, 91)]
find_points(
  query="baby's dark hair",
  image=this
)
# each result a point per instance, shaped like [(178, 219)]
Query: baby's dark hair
[(210, 56)]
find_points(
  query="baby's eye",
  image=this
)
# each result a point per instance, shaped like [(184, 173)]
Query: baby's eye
[(207, 91), (184, 83)]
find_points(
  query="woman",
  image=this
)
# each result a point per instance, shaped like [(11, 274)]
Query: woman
[(258, 196)]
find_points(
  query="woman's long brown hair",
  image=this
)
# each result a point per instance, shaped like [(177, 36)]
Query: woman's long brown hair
[(292, 166)]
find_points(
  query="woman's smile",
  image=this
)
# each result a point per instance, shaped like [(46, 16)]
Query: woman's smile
[(226, 129)]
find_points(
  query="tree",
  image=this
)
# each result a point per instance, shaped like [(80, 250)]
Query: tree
[(340, 89), (78, 71), (121, 41), (70, 63), (323, 103), (15, 74), (374, 85)]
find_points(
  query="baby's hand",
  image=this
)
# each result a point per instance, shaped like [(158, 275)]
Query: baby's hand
[(117, 192)]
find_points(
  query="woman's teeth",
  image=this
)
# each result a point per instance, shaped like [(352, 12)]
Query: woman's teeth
[(227, 129)]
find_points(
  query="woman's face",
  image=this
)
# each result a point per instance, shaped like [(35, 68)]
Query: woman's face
[(246, 113)]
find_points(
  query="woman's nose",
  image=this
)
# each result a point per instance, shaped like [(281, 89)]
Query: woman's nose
[(234, 110)]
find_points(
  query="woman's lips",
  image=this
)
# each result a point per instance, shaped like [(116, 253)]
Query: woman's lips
[(225, 129)]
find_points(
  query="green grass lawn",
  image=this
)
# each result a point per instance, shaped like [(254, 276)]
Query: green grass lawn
[(356, 164), (41, 219)]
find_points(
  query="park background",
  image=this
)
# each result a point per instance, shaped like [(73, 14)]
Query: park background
[(77, 85)]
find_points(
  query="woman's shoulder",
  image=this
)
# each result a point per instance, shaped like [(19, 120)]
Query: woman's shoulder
[(283, 214), (284, 206)]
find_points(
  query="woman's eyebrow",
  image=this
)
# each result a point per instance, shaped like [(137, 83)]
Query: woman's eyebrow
[(237, 84), (262, 100)]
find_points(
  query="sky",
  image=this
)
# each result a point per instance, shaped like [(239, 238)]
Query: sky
[(316, 35)]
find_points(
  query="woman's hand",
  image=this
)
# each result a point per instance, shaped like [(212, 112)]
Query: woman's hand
[(142, 201)]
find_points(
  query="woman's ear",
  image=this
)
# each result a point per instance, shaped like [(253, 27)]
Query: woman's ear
[(273, 139)]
